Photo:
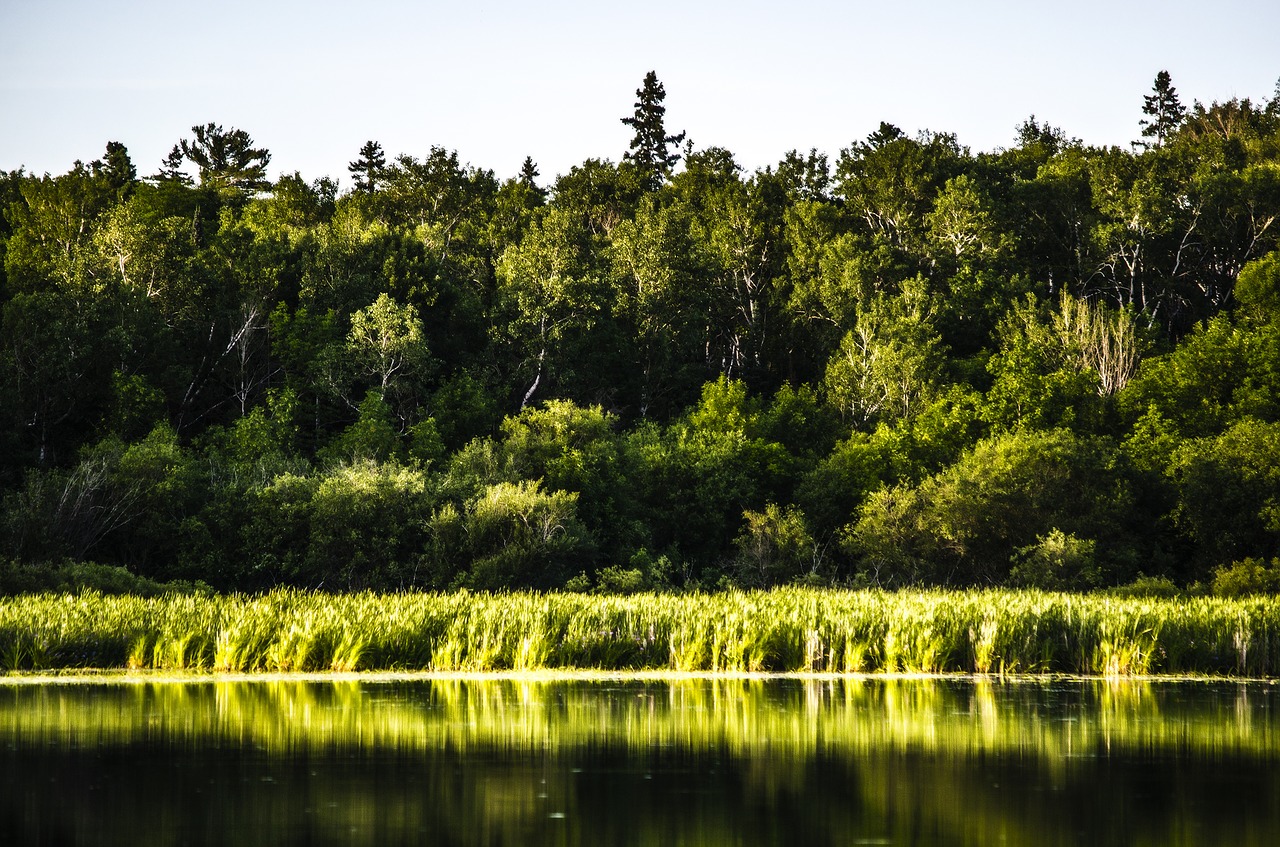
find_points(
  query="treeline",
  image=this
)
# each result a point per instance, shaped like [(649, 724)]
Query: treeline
[(1052, 365)]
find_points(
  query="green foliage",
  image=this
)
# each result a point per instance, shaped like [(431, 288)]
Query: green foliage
[(1220, 374), (1009, 493), (700, 474), (70, 577), (372, 437), (1037, 382), (1247, 577), (1055, 562), (522, 537), (774, 548), (1258, 288), (354, 526), (914, 364), (887, 367), (1228, 491), (832, 493), (1148, 586)]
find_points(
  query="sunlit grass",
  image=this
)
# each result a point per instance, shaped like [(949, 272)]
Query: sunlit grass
[(785, 630)]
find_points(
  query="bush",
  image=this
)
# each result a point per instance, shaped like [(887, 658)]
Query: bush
[(1055, 562), (774, 547), (1001, 502), (1147, 586), (1250, 576), (72, 577)]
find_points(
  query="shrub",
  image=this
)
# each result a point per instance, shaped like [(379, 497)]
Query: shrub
[(1249, 576)]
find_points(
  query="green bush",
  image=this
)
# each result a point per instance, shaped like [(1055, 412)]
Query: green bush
[(1249, 576)]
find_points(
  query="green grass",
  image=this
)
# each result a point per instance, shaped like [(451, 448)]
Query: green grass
[(784, 630)]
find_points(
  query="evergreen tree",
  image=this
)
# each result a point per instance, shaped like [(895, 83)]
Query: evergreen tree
[(117, 169), (886, 133), (1165, 111), (650, 146), (227, 158), (171, 168), (369, 168), (529, 173), (529, 178)]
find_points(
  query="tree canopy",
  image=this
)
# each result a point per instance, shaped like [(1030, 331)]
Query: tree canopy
[(1052, 365)]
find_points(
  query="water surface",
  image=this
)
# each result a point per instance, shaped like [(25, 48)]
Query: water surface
[(706, 762)]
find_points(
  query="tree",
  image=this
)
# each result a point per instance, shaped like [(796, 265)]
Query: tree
[(1164, 109), (171, 168), (439, 196), (553, 297), (887, 366), (1047, 369), (227, 158), (890, 181), (658, 271), (519, 536), (649, 147), (1228, 492), (53, 220), (1012, 494), (602, 194), (774, 547), (804, 177), (1051, 139), (117, 169), (385, 342), (528, 177), (367, 170)]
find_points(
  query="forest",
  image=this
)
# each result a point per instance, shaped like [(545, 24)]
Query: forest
[(1052, 366)]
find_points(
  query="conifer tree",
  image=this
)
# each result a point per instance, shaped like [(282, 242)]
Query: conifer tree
[(117, 169), (1165, 111), (529, 178), (650, 147), (227, 158), (171, 168), (367, 170)]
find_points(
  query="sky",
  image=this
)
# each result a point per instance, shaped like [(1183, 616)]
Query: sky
[(498, 81)]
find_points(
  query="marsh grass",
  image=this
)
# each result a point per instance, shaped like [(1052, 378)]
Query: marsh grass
[(784, 630)]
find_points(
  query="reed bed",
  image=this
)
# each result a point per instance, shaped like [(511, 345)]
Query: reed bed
[(783, 630)]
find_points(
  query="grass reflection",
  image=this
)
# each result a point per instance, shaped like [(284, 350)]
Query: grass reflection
[(1052, 720), (642, 762)]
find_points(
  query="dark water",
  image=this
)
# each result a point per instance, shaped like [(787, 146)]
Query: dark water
[(693, 762)]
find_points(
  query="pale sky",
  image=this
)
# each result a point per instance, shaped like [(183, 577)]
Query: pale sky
[(496, 81)]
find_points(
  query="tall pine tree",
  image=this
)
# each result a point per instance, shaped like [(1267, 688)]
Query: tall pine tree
[(227, 158), (369, 168), (1164, 110), (650, 148)]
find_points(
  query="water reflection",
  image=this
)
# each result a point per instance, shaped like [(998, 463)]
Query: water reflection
[(816, 761)]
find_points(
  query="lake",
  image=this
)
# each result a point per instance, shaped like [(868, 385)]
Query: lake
[(795, 761)]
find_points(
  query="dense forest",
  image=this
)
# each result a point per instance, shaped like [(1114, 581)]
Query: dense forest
[(1052, 365)]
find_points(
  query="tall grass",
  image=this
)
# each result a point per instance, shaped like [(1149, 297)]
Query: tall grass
[(785, 630)]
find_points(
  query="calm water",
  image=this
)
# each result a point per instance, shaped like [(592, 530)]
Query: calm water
[(640, 763)]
